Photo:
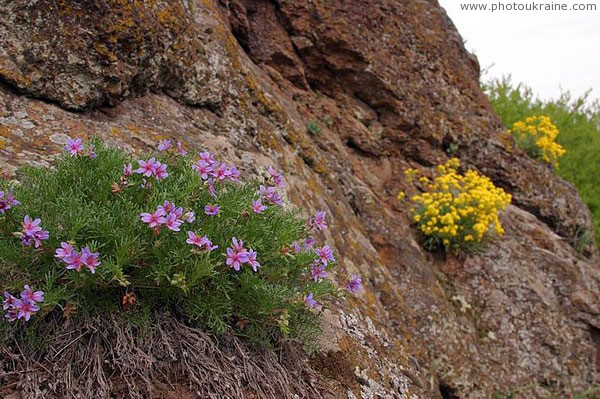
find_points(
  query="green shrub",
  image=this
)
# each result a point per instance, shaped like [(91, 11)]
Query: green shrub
[(314, 128), (578, 120), (118, 260)]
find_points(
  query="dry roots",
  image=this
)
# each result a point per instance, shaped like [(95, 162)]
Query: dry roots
[(109, 358)]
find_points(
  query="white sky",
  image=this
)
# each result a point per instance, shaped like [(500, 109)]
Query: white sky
[(544, 49)]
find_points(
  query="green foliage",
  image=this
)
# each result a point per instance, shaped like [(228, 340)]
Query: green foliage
[(314, 128), (79, 202), (578, 120)]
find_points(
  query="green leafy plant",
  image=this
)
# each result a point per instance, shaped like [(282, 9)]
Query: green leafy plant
[(314, 128), (180, 233), (577, 119)]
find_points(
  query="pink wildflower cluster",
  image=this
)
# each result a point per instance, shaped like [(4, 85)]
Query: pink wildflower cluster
[(32, 232), (169, 215), (165, 145), (77, 260), (23, 307), (75, 147), (202, 242), (317, 222), (7, 201), (152, 167), (269, 194), (213, 171), (238, 255)]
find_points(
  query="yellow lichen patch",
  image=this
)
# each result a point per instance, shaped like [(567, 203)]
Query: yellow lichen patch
[(104, 51), (2, 143)]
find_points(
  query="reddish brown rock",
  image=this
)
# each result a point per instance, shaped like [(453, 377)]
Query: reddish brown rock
[(392, 86)]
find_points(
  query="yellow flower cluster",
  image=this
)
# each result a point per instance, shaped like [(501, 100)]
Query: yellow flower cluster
[(459, 211), (536, 136)]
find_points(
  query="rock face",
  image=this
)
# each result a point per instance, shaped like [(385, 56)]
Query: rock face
[(392, 87)]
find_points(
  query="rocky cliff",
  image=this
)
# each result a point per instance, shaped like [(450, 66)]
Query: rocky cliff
[(391, 86)]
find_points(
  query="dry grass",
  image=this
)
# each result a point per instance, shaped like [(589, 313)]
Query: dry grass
[(109, 358)]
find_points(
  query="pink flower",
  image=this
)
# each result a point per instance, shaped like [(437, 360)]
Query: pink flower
[(90, 151), (154, 219), (167, 207), (317, 272), (164, 145), (311, 303), (203, 168), (25, 308), (172, 222), (40, 236), (90, 259), (65, 251), (161, 171), (74, 262), (257, 206), (30, 227), (127, 170), (319, 220), (271, 194), (276, 176), (238, 245), (189, 217), (221, 173), (208, 158), (354, 285), (296, 247), (194, 239), (211, 210), (9, 300), (309, 242), (325, 254), (235, 259), (180, 150), (29, 295), (147, 168), (7, 201), (74, 147), (251, 255), (211, 188)]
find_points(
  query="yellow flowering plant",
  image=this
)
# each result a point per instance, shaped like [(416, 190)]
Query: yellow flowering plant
[(536, 135), (457, 211)]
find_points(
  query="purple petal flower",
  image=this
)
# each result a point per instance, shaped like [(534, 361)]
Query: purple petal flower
[(251, 255), (203, 168), (319, 220), (172, 222), (211, 209), (65, 251), (29, 295), (189, 217), (296, 247), (317, 272), (235, 259), (74, 262), (271, 194), (164, 145), (211, 188), (90, 259), (147, 168), (74, 147), (311, 303), (11, 315), (355, 284), (40, 236), (276, 176), (325, 254), (25, 308), (238, 245), (309, 242), (208, 158), (154, 219), (91, 151), (257, 206), (30, 227), (180, 150), (194, 239), (127, 170), (161, 171), (7, 201), (222, 172), (8, 301)]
